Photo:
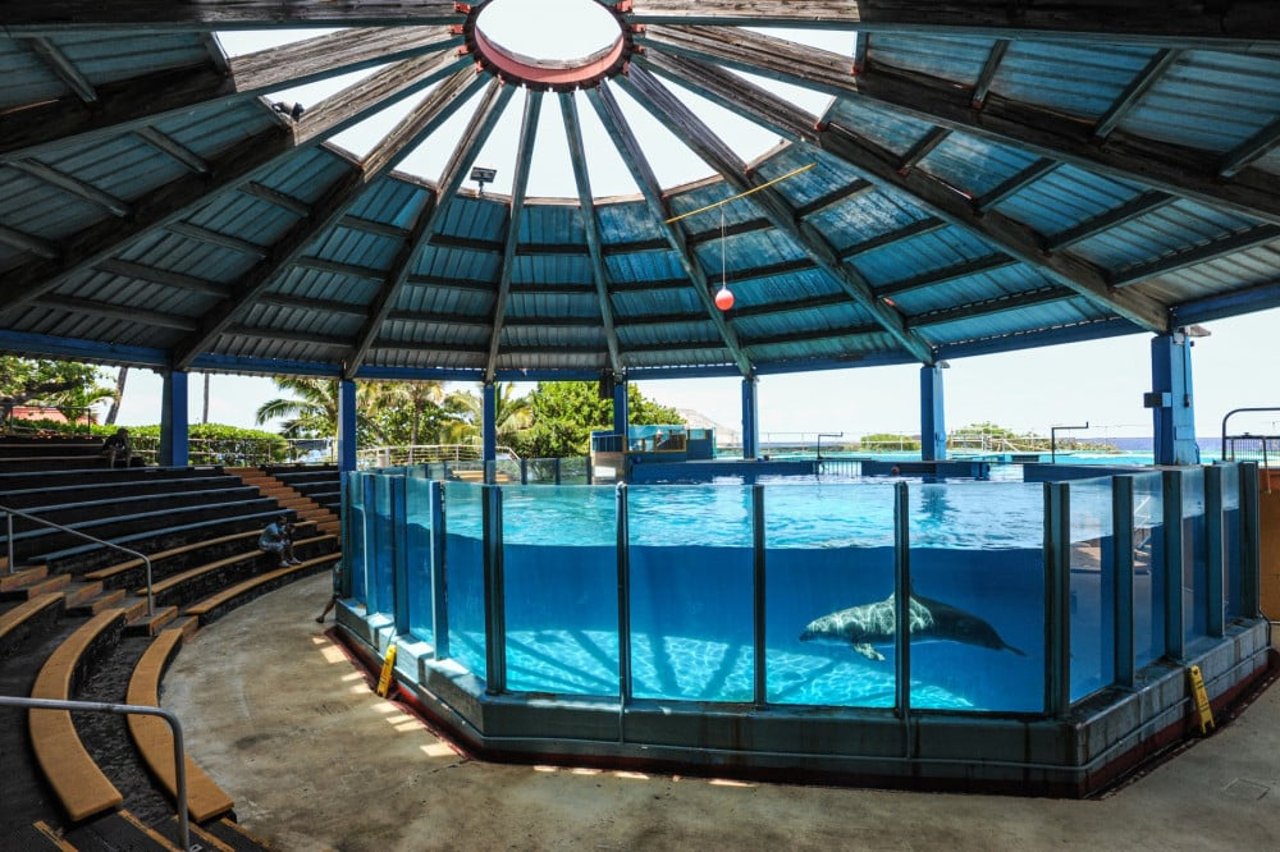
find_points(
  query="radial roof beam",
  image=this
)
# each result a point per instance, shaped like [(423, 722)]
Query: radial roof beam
[(619, 130), (482, 121), (39, 16), (694, 133), (1243, 23), (1148, 162), (1212, 250), (229, 171), (64, 68), (128, 104), (944, 203), (591, 226), (1138, 86), (435, 109), (1249, 150), (519, 185)]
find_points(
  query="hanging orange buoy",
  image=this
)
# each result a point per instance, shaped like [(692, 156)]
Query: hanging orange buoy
[(724, 299)]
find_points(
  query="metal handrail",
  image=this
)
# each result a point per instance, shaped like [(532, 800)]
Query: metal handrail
[(1222, 450), (179, 751), (10, 512)]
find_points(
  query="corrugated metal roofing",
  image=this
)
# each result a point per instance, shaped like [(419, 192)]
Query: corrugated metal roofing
[(954, 277)]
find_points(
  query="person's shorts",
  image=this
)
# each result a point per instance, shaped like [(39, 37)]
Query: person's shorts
[(271, 546)]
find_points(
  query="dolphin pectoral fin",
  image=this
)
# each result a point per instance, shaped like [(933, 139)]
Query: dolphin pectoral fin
[(867, 651)]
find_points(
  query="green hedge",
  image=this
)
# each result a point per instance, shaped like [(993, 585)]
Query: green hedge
[(210, 443)]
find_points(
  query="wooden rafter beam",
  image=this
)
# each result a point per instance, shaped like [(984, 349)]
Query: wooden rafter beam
[(337, 267), (229, 171), (164, 277), (1132, 93), (954, 272), (369, 226), (699, 137), (179, 152), (289, 335), (1249, 150), (988, 307), (814, 336), (128, 313), (1137, 206), (515, 208), (811, 303), (839, 195), (619, 130), (62, 66), (28, 243), (73, 185), (283, 200), (482, 121), (918, 228), (936, 198), (320, 217), (1159, 22), (1038, 130), (217, 238), (978, 97), (306, 303), (1243, 23), (638, 320), (1014, 184), (591, 226), (127, 104), (922, 148), (1212, 250)]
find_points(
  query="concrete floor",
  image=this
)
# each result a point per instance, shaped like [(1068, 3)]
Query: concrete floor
[(275, 712)]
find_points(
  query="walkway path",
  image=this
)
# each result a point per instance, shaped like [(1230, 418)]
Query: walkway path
[(314, 760)]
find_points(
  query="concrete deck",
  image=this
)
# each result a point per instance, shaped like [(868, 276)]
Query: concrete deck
[(277, 715)]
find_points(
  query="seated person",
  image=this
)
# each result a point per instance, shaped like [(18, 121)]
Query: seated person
[(277, 538), (117, 446)]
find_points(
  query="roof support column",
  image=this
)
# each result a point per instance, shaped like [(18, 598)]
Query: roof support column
[(933, 424), (1170, 400), (346, 427), (621, 415), (174, 420), (489, 426), (750, 419)]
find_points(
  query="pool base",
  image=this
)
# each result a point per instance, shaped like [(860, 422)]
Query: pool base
[(1103, 738)]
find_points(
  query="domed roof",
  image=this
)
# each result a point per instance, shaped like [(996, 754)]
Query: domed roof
[(981, 178)]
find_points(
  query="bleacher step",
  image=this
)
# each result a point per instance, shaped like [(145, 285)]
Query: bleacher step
[(97, 604), (41, 586), (119, 830), (37, 836), (79, 593), (150, 625), (21, 577), (188, 624), (236, 838)]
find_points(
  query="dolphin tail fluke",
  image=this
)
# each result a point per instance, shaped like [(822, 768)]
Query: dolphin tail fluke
[(1018, 651)]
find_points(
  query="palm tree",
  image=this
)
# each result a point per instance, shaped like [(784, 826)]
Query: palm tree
[(419, 397), (512, 414), (313, 411)]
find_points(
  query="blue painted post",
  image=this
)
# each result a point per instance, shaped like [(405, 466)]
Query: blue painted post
[(174, 420), (933, 426), (346, 427), (489, 429), (1171, 401), (621, 416), (1122, 577), (750, 419)]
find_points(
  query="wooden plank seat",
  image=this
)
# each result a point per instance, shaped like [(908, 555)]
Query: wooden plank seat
[(20, 498), (17, 622), (165, 587), (154, 739), (206, 608), (77, 781), (11, 480), (110, 573), (131, 506), (211, 526)]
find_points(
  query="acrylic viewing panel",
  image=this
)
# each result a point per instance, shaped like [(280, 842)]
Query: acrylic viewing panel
[(1148, 568), (464, 567), (560, 568), (1231, 539), (692, 624), (977, 566), (382, 546), (829, 582), (1091, 564), (354, 525), (419, 538), (1195, 554)]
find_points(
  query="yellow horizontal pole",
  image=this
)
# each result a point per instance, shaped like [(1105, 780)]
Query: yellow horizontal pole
[(751, 191)]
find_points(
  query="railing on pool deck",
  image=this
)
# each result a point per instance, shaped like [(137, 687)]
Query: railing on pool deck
[(1149, 564)]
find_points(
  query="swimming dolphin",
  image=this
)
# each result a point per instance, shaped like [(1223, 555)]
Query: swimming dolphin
[(874, 624)]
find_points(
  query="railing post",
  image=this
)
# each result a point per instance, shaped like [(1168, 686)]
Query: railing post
[(1174, 615), (1057, 598), (556, 465), (439, 574), (624, 596), (758, 551), (1122, 577), (1250, 542), (524, 471), (8, 522), (590, 472), (494, 594), (902, 597), (1215, 562)]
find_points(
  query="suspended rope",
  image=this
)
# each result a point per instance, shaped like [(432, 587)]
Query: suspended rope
[(751, 191)]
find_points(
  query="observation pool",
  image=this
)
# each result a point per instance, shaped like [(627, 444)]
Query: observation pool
[(775, 603)]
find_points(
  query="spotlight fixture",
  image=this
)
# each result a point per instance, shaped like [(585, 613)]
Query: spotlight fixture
[(481, 175)]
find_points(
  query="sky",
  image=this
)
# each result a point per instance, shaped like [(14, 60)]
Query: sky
[(1100, 382)]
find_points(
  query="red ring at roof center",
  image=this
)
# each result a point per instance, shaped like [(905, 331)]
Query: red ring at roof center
[(557, 74)]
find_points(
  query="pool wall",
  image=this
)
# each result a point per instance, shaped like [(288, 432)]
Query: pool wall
[(549, 653)]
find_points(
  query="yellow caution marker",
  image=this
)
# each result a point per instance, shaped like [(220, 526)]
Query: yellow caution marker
[(1204, 712), (389, 669)]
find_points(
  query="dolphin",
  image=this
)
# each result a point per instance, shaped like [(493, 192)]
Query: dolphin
[(874, 624)]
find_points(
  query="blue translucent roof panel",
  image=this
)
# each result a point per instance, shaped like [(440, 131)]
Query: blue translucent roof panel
[(1077, 78), (958, 59)]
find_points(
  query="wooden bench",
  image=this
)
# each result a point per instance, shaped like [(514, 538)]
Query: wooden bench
[(193, 573), (226, 596), (154, 739), (112, 571), (13, 620), (74, 776)]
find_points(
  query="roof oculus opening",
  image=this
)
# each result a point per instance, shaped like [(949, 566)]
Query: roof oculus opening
[(549, 44)]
